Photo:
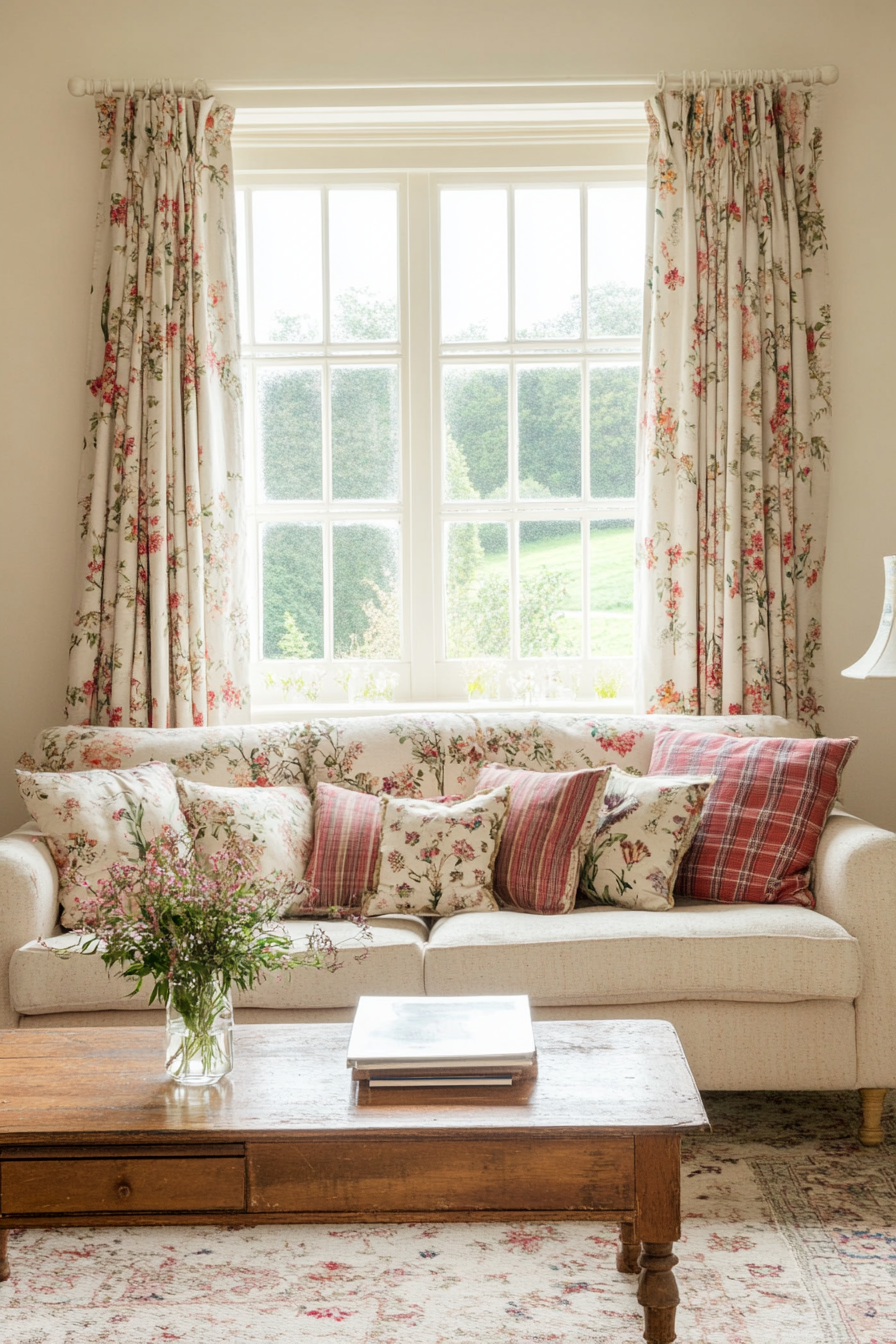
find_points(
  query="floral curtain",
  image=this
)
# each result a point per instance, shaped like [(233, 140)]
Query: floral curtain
[(160, 630), (733, 479)]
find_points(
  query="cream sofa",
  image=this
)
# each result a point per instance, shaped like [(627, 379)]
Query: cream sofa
[(763, 997)]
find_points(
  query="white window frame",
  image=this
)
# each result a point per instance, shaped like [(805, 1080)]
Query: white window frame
[(426, 675)]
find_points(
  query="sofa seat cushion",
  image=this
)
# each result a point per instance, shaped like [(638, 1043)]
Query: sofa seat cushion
[(771, 954), (41, 982)]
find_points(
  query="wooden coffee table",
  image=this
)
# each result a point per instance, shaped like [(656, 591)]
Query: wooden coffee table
[(93, 1132)]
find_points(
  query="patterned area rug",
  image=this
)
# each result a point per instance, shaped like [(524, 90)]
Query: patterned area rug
[(789, 1237)]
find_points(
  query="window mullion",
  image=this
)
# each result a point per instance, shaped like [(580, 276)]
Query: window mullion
[(423, 628)]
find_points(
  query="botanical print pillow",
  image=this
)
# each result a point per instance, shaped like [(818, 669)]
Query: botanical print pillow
[(273, 826), (645, 828), (437, 858), (93, 818)]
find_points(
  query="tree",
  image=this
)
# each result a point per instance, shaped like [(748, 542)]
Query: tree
[(614, 415)]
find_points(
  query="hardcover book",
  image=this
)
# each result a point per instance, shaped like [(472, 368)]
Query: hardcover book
[(424, 1038)]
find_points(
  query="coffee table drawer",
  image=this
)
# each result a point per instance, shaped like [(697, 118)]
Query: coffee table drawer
[(121, 1185), (405, 1174)]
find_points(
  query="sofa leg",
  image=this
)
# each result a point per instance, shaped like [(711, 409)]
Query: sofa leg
[(871, 1133)]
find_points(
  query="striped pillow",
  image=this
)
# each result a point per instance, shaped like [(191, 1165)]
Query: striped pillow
[(764, 815), (347, 829), (551, 823)]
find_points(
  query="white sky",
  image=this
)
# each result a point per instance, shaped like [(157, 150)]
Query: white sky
[(286, 230), (364, 251), (474, 252)]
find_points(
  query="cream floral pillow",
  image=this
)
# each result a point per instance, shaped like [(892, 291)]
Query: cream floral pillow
[(274, 827), (645, 828), (93, 818), (437, 858)]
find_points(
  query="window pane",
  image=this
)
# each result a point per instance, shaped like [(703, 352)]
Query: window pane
[(616, 221), (476, 433), (550, 589), (474, 265), (478, 590), (614, 422), (287, 268), (364, 265), (549, 411), (290, 417), (612, 561), (364, 411), (292, 568), (548, 263), (366, 595)]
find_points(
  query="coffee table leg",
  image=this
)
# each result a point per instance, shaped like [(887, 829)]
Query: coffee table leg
[(628, 1249), (4, 1258), (658, 1223), (658, 1291)]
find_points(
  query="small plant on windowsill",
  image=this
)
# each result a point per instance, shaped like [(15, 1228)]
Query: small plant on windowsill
[(305, 685), (198, 929), (607, 685)]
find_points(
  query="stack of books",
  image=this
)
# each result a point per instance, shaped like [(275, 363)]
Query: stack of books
[(442, 1042)]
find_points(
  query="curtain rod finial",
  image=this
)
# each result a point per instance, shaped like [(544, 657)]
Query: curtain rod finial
[(829, 74), (77, 86)]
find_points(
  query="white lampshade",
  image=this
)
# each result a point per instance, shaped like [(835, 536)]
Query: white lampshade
[(880, 660)]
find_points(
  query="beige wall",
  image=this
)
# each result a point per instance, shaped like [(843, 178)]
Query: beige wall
[(48, 185)]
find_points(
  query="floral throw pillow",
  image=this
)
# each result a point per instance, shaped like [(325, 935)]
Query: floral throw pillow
[(93, 818), (273, 827), (645, 828), (437, 858)]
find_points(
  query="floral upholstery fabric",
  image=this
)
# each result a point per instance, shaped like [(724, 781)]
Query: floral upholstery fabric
[(645, 828), (437, 858), (91, 820), (422, 756), (236, 757), (274, 826)]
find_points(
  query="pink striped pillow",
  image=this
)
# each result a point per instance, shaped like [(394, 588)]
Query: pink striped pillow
[(552, 821), (764, 814), (347, 829)]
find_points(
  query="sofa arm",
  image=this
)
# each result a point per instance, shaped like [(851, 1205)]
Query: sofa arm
[(855, 884), (29, 903)]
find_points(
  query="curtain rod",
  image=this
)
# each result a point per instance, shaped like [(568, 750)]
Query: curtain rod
[(696, 79)]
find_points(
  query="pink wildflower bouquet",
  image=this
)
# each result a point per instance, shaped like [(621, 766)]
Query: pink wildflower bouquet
[(197, 929)]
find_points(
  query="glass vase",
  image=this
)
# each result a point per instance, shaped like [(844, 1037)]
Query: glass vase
[(199, 1048)]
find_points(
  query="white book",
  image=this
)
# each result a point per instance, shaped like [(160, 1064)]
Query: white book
[(492, 1031)]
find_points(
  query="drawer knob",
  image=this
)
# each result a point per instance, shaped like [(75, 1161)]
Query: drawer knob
[(124, 1191)]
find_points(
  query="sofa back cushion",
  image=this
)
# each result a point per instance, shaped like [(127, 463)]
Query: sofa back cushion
[(763, 817), (272, 826), (411, 755), (94, 820), (235, 757)]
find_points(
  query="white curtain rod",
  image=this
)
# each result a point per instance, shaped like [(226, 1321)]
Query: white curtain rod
[(695, 79), (78, 87)]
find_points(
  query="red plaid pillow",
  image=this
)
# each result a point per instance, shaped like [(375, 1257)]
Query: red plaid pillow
[(347, 828), (551, 822), (763, 816)]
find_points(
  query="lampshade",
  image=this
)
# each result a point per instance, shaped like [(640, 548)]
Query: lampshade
[(880, 660)]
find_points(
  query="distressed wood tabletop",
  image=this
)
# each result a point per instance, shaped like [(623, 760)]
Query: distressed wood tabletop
[(102, 1085)]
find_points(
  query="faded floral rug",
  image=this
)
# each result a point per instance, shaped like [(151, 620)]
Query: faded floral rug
[(788, 1237)]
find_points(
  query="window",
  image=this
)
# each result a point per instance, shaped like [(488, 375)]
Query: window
[(441, 376)]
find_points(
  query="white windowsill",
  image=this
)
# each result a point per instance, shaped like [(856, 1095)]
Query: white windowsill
[(353, 709)]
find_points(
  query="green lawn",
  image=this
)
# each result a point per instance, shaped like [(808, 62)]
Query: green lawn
[(610, 557)]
